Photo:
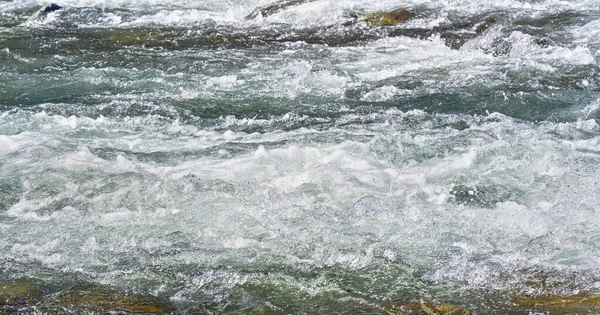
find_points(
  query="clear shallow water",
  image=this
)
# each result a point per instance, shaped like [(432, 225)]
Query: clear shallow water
[(184, 151)]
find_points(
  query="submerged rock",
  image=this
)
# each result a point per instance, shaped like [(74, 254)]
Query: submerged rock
[(94, 299), (19, 292), (578, 303), (394, 17), (551, 304), (372, 19), (425, 308), (51, 8), (352, 306), (486, 196), (273, 8), (138, 36)]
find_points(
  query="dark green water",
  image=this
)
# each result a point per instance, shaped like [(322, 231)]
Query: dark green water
[(304, 161)]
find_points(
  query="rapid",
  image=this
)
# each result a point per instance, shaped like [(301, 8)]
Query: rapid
[(302, 161)]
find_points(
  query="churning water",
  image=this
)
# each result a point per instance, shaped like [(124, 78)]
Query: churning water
[(304, 160)]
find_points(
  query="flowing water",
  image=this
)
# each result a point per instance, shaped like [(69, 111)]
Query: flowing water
[(302, 161)]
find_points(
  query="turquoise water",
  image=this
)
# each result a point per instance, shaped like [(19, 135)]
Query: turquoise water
[(301, 159)]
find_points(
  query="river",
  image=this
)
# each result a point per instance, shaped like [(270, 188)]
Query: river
[(302, 161)]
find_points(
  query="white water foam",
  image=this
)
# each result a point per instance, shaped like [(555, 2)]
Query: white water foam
[(285, 205), (327, 12), (458, 198)]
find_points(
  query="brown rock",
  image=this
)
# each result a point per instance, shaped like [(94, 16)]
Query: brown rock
[(430, 308), (106, 300), (19, 292), (579, 303), (387, 18)]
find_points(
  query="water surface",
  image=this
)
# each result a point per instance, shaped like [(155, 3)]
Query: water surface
[(303, 161)]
